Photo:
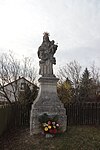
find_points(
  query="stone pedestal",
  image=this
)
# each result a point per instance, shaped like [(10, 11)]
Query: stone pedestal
[(48, 102)]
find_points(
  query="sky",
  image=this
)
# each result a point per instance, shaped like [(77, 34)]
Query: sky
[(73, 24)]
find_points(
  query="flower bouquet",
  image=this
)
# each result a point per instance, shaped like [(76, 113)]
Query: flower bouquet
[(49, 124)]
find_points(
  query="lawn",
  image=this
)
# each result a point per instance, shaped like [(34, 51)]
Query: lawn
[(76, 138)]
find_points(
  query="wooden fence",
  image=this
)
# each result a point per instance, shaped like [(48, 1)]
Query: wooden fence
[(83, 114), (16, 116), (20, 116), (13, 116)]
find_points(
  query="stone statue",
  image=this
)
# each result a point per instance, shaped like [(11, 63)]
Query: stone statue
[(46, 52), (47, 100)]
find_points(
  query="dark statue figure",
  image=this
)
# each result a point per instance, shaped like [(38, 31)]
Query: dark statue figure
[(46, 52)]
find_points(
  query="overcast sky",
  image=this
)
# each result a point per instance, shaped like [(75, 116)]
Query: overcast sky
[(73, 24)]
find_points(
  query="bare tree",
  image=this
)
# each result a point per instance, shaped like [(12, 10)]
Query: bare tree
[(95, 73), (72, 71), (28, 69), (11, 69)]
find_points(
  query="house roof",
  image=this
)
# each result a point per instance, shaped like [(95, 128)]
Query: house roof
[(18, 80)]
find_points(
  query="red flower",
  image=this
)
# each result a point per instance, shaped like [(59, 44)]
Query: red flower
[(54, 131), (51, 130)]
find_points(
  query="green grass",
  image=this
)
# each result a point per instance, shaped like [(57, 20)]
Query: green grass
[(76, 138)]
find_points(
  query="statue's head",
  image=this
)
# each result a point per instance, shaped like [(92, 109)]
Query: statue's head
[(45, 37)]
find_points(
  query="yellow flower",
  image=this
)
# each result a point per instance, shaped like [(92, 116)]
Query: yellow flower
[(49, 127), (46, 129), (54, 127)]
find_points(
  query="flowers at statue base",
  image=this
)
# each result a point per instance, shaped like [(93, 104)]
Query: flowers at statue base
[(49, 124), (50, 127)]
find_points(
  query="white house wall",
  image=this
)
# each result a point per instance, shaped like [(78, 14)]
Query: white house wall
[(11, 87)]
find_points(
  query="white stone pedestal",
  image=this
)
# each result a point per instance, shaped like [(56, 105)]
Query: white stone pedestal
[(48, 102)]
